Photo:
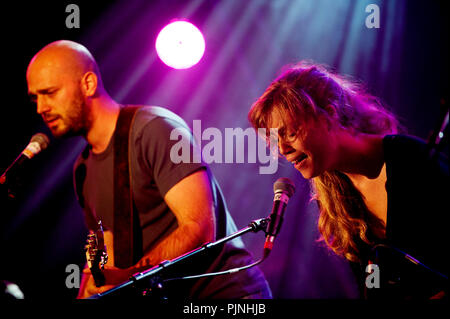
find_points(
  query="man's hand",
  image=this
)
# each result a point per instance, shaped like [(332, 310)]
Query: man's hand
[(113, 277)]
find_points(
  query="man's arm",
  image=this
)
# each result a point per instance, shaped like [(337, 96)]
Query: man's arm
[(192, 203)]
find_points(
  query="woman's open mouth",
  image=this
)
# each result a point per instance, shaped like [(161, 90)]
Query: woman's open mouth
[(299, 159)]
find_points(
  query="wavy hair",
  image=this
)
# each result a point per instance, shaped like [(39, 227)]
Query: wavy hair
[(301, 93)]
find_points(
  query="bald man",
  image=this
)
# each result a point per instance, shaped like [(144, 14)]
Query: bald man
[(180, 206), (64, 81)]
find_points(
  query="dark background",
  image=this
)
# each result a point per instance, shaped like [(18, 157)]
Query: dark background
[(405, 62)]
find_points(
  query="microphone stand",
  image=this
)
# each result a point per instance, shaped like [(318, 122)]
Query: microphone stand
[(153, 277)]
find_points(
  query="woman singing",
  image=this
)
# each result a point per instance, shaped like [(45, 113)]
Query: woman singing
[(381, 197)]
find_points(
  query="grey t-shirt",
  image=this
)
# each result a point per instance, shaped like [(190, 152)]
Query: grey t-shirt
[(154, 173)]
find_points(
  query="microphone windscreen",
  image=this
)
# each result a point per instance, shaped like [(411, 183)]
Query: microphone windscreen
[(284, 184), (41, 139)]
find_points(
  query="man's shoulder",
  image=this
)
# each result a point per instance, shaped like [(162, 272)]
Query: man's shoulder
[(152, 114)]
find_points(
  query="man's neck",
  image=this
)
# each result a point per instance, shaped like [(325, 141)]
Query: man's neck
[(104, 114)]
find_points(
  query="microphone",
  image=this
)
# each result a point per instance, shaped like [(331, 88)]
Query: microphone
[(38, 143), (283, 188)]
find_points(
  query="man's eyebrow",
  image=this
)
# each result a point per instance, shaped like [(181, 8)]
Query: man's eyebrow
[(46, 90), (41, 91)]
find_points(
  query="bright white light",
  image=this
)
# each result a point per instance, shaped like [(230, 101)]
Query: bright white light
[(180, 45)]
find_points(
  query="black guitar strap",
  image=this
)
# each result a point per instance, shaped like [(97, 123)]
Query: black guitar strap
[(127, 230)]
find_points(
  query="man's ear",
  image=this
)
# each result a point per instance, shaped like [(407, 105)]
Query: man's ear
[(89, 84)]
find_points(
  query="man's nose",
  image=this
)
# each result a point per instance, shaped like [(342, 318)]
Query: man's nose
[(41, 105)]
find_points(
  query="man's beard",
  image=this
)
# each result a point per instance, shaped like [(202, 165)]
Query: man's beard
[(76, 122)]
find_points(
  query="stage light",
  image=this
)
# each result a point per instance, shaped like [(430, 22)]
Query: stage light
[(180, 45)]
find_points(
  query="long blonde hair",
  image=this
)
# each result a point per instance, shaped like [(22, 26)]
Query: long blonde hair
[(303, 91)]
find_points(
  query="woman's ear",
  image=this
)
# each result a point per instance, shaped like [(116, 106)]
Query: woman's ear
[(331, 111), (331, 116)]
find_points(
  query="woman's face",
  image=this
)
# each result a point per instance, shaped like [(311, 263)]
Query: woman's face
[(310, 148)]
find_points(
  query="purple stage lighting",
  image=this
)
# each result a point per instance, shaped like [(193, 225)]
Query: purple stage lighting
[(180, 45)]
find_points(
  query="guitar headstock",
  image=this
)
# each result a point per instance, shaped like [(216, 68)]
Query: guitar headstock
[(96, 255), (101, 247)]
